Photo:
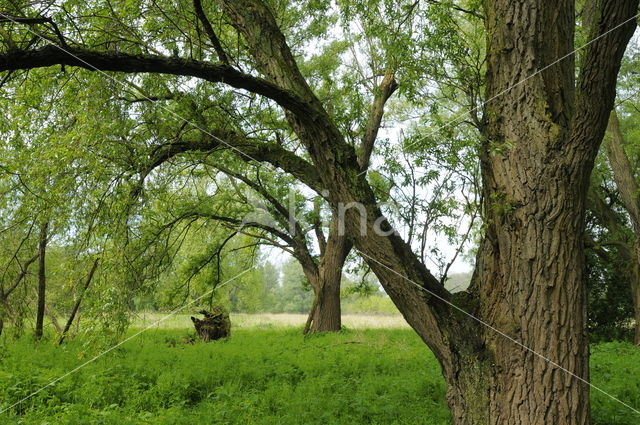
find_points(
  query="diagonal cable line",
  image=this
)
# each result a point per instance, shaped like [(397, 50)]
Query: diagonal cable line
[(143, 96), (72, 371), (457, 119), (501, 333)]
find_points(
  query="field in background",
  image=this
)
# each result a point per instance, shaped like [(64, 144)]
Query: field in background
[(266, 320)]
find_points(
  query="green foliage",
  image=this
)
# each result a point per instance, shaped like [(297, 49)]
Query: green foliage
[(257, 377), (263, 377), (610, 302), (371, 304), (614, 369)]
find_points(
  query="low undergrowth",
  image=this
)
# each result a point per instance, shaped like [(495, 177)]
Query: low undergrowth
[(261, 377)]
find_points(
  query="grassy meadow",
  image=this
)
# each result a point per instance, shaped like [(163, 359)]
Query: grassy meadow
[(271, 321), (266, 374)]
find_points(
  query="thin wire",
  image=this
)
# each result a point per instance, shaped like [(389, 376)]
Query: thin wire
[(499, 332), (72, 371), (180, 117), (393, 271), (460, 117)]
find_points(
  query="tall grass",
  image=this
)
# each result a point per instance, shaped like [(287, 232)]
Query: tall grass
[(261, 376)]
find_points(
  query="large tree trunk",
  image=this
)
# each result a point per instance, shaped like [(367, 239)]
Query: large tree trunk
[(530, 273), (327, 316), (42, 280), (541, 138)]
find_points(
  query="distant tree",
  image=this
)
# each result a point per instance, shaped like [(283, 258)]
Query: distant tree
[(295, 294)]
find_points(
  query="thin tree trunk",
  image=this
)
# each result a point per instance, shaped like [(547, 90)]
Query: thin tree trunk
[(635, 290), (42, 280), (4, 294), (2, 313), (52, 318), (636, 305), (624, 177), (76, 307)]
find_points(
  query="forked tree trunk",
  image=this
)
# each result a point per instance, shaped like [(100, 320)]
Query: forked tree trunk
[(325, 314), (541, 135), (541, 138)]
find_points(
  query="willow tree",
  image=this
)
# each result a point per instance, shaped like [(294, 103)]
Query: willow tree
[(542, 126), (251, 201)]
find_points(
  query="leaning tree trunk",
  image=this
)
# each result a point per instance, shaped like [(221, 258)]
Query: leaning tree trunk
[(624, 177), (541, 135)]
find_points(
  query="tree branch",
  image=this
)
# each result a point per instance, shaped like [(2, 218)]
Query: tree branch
[(610, 25), (623, 172), (384, 92), (143, 63), (458, 8), (247, 149), (239, 223), (23, 273), (6, 18), (197, 5)]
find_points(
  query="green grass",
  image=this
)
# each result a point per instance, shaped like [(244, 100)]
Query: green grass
[(261, 376)]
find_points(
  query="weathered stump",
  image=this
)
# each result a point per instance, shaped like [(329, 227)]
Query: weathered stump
[(215, 325)]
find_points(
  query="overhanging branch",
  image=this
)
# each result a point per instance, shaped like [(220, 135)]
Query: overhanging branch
[(154, 64)]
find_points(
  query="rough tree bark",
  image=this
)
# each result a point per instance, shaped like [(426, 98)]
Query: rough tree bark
[(629, 189), (541, 141), (325, 314), (541, 138), (42, 280), (215, 325)]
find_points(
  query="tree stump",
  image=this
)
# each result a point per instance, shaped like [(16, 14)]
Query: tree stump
[(215, 325)]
